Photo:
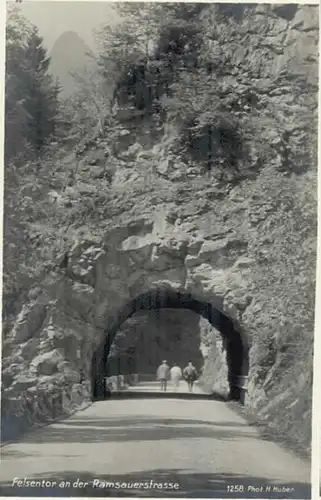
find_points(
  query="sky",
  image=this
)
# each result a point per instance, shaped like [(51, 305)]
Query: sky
[(53, 18)]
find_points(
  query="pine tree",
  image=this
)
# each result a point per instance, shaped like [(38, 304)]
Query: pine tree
[(31, 95), (17, 31), (42, 101)]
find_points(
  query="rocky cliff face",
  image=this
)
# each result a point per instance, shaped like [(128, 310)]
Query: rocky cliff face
[(134, 217), (215, 369)]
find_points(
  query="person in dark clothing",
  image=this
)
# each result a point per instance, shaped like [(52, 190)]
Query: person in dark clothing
[(190, 375)]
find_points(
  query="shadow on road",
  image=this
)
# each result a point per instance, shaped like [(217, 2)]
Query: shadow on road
[(123, 421), (151, 483), (137, 428), (141, 394)]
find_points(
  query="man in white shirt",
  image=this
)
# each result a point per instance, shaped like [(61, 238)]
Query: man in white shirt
[(176, 375)]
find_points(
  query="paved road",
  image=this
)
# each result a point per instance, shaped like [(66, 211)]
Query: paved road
[(155, 387), (201, 447)]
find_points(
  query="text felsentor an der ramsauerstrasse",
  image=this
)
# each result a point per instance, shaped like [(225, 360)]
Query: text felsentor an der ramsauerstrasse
[(94, 483)]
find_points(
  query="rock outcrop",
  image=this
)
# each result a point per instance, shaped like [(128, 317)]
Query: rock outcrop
[(215, 370), (140, 219)]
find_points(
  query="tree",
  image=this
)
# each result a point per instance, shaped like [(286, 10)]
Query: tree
[(127, 49), (142, 53), (16, 115), (131, 39), (85, 114), (42, 92), (31, 95)]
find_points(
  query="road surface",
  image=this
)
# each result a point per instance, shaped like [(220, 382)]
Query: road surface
[(154, 387), (170, 447)]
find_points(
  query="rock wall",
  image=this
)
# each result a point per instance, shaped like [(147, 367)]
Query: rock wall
[(43, 403), (144, 220), (215, 369)]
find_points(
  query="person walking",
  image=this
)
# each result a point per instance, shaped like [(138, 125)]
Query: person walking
[(162, 375), (176, 375), (190, 375)]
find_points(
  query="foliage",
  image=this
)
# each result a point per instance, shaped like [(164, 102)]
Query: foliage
[(130, 40), (42, 92), (142, 52), (214, 121), (31, 97), (169, 69), (86, 113)]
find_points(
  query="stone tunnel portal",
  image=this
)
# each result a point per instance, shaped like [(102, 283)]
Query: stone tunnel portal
[(235, 343)]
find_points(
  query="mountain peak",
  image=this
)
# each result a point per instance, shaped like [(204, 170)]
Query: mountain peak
[(69, 36), (69, 54)]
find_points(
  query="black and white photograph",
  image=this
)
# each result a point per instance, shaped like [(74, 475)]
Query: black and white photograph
[(159, 249)]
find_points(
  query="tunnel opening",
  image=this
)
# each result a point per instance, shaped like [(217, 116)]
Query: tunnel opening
[(234, 342), (150, 336)]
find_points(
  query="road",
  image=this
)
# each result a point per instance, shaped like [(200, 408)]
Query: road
[(154, 387), (201, 448)]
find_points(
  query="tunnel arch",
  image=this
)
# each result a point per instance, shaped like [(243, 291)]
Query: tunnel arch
[(234, 339)]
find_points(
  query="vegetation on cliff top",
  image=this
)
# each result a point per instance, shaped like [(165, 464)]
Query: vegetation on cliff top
[(31, 98)]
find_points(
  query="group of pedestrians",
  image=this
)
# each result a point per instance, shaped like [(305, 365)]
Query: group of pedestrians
[(175, 374)]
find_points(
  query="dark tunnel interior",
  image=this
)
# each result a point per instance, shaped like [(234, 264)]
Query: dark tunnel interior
[(236, 348)]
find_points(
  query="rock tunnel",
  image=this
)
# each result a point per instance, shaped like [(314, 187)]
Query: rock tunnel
[(234, 341)]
